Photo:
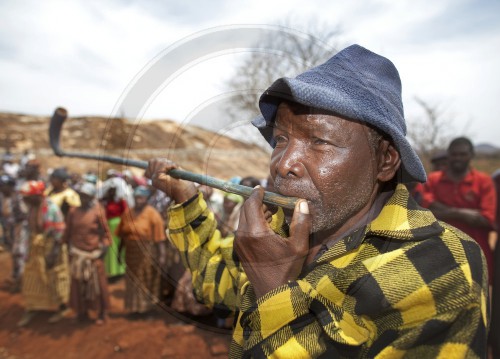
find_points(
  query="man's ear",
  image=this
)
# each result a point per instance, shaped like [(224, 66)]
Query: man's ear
[(389, 161)]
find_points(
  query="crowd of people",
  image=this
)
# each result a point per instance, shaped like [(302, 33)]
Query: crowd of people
[(71, 234), (378, 258), (359, 268)]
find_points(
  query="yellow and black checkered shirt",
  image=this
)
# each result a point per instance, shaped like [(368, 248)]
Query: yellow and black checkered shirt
[(408, 286)]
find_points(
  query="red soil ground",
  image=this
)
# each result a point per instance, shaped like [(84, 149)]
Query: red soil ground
[(163, 334)]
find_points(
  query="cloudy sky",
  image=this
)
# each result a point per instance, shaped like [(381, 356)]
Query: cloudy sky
[(93, 57)]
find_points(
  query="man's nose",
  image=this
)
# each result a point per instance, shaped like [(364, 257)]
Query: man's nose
[(290, 163)]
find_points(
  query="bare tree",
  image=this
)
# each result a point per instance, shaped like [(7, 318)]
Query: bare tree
[(431, 132), (287, 54)]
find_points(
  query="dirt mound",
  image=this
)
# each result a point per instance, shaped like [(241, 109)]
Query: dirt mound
[(196, 149)]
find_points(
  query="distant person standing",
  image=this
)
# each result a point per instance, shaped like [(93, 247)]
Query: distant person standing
[(88, 237), (32, 171), (25, 158), (439, 160), (463, 196), (45, 284), (13, 220), (60, 192), (10, 167), (142, 233), (114, 202)]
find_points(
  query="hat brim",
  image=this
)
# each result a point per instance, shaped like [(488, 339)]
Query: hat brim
[(336, 100)]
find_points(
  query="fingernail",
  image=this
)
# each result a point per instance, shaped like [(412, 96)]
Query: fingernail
[(304, 207)]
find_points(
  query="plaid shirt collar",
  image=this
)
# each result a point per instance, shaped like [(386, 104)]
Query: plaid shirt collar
[(400, 218)]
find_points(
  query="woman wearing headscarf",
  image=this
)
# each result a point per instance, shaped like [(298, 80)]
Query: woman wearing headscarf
[(45, 284), (142, 234), (114, 202)]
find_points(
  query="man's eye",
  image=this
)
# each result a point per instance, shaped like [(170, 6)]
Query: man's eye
[(319, 141), (279, 139)]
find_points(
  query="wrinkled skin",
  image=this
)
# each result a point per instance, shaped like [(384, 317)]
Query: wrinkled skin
[(328, 161)]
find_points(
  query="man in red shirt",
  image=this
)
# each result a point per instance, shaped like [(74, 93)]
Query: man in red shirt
[(463, 197)]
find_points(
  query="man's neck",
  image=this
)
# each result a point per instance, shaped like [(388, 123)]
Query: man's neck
[(88, 205), (361, 219), (457, 176)]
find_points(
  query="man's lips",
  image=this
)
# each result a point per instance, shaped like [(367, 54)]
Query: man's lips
[(291, 192)]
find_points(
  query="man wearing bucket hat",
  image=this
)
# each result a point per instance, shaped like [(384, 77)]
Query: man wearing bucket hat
[(88, 237), (360, 270)]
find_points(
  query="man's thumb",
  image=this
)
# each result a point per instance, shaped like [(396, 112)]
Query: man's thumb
[(301, 225)]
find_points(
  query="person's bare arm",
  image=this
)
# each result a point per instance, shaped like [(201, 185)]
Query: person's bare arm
[(472, 217)]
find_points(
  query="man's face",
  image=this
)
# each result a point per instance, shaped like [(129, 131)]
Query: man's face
[(459, 157), (140, 201), (57, 183), (32, 171), (326, 160)]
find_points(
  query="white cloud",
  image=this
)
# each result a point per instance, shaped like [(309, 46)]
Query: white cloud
[(84, 54)]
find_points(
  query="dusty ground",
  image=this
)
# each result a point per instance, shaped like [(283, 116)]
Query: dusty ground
[(160, 335)]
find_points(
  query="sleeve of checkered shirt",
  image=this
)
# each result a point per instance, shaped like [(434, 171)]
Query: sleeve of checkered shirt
[(215, 272), (301, 319), (441, 313)]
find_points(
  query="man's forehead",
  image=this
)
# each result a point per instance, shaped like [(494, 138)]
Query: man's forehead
[(460, 147)]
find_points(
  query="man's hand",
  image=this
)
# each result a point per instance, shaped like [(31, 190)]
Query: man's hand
[(179, 190), (471, 217), (268, 259)]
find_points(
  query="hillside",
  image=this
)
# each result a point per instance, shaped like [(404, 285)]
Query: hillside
[(194, 148)]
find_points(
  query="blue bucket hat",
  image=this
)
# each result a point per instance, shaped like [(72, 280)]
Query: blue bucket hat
[(357, 84)]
